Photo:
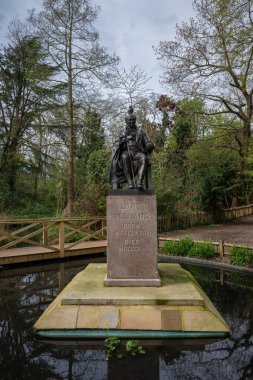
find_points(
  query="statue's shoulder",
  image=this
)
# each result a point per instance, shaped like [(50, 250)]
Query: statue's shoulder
[(141, 131)]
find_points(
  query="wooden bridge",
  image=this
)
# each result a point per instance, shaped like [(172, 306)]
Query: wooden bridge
[(33, 240), (23, 240)]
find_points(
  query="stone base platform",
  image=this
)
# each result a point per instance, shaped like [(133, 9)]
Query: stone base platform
[(88, 309)]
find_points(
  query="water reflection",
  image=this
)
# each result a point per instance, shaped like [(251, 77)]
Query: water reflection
[(25, 292)]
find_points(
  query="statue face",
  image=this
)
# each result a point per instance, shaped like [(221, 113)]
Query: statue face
[(131, 122)]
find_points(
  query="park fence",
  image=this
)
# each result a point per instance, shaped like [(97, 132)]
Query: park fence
[(186, 219)]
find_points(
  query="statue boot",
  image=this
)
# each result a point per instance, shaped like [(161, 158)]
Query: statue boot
[(130, 182), (141, 178)]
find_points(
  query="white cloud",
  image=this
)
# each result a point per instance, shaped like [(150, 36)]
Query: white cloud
[(128, 28)]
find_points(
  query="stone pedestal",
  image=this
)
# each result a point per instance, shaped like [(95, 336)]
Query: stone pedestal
[(131, 239)]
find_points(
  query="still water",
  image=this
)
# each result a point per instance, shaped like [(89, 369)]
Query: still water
[(25, 292)]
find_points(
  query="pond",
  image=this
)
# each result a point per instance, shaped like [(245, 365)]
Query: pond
[(25, 292)]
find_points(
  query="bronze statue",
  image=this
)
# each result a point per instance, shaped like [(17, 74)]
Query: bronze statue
[(130, 156)]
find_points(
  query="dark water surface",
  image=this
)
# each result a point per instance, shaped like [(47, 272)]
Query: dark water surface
[(25, 292)]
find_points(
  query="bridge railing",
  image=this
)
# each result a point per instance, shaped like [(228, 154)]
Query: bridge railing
[(54, 234)]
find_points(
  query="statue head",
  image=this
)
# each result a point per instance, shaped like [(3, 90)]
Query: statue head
[(130, 118)]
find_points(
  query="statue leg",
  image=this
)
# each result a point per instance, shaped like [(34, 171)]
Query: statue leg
[(141, 160), (126, 165)]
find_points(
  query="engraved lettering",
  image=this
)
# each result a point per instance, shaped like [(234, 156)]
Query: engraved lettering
[(131, 206), (134, 242)]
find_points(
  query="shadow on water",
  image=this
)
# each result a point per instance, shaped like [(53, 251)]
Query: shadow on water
[(25, 292)]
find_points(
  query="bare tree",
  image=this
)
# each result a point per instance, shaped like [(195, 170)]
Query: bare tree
[(212, 58), (66, 27), (131, 84)]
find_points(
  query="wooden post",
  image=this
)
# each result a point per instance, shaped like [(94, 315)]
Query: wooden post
[(221, 249), (103, 225), (61, 239), (45, 234), (222, 277), (61, 276)]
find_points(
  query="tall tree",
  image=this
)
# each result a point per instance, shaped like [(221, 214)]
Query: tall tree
[(66, 27), (25, 93), (131, 84), (212, 58)]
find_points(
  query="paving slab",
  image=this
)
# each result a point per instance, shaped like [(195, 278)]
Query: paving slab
[(178, 307), (148, 320), (177, 288)]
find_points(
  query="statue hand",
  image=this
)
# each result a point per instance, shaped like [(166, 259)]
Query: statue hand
[(150, 148)]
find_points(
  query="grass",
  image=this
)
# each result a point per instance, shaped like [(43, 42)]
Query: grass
[(187, 247), (177, 248), (241, 256)]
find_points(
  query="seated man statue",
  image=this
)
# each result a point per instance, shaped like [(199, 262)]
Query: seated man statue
[(130, 156)]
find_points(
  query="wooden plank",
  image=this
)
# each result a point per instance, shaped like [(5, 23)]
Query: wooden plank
[(15, 233), (26, 239), (48, 220), (45, 234), (88, 237), (32, 254)]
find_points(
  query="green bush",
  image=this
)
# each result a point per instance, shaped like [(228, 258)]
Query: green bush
[(250, 257), (241, 256), (204, 250), (177, 248), (187, 247), (134, 348), (75, 237)]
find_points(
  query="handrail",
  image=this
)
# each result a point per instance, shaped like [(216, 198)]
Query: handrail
[(51, 234), (44, 220)]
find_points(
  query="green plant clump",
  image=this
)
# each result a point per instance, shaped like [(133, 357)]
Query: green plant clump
[(112, 344), (250, 257), (177, 248), (204, 250), (241, 256), (134, 348)]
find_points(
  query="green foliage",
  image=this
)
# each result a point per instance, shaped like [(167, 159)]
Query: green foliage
[(212, 187), (250, 257), (134, 348), (92, 200), (75, 237), (177, 248), (203, 250), (33, 210), (165, 182), (187, 247), (112, 344), (98, 167), (5, 196), (241, 256)]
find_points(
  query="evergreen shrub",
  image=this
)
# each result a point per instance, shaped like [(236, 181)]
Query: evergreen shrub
[(177, 247), (241, 256), (187, 247), (203, 250)]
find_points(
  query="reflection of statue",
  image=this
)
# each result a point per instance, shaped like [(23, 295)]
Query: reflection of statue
[(130, 156)]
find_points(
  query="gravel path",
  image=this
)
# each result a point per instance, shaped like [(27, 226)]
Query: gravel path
[(239, 231)]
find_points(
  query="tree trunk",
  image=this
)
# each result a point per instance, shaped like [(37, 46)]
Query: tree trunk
[(71, 147)]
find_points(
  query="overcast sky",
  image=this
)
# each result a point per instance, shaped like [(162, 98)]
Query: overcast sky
[(127, 27)]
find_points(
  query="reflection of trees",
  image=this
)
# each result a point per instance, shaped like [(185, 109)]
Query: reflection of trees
[(23, 300), (24, 297), (229, 359)]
